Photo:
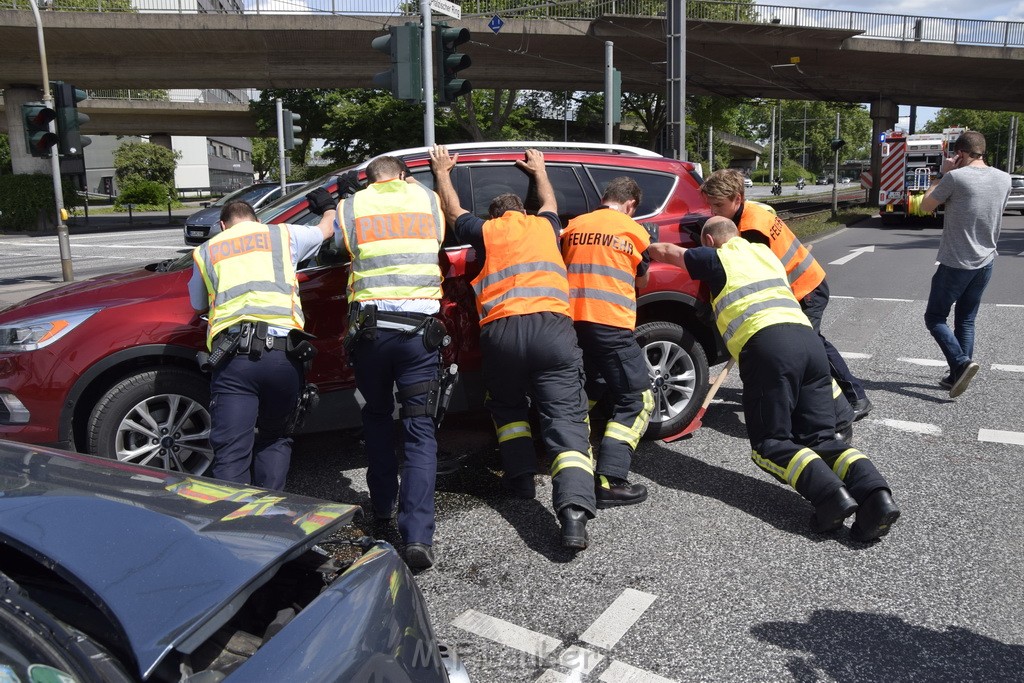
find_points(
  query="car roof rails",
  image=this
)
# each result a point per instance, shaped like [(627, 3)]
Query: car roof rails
[(545, 145)]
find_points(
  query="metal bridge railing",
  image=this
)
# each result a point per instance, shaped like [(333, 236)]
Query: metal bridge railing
[(869, 24)]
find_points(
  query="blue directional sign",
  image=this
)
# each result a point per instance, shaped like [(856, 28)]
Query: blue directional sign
[(495, 23)]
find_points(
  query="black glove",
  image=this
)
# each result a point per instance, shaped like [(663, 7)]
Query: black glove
[(320, 201), (348, 184)]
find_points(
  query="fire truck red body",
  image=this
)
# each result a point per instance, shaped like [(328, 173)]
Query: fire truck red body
[(909, 162)]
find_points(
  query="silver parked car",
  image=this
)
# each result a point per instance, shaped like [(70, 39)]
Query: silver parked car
[(205, 223), (1015, 202)]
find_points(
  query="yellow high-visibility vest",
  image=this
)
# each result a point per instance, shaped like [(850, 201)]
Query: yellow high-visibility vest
[(249, 276), (394, 231), (756, 294)]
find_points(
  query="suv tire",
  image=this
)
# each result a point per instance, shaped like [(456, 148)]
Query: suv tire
[(679, 376), (159, 417)]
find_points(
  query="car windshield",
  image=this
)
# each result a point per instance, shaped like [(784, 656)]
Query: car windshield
[(246, 194)]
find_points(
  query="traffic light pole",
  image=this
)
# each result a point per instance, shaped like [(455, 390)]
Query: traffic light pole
[(63, 241), (835, 174), (427, 61), (280, 142)]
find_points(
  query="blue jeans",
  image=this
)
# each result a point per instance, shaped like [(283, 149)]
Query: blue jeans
[(962, 288)]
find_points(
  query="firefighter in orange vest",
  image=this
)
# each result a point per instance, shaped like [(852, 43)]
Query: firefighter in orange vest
[(786, 383), (394, 231), (724, 192), (606, 258), (245, 279), (527, 341)]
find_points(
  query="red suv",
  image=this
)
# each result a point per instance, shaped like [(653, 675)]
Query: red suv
[(107, 366)]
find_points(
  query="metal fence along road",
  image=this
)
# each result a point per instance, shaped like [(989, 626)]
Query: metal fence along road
[(869, 24)]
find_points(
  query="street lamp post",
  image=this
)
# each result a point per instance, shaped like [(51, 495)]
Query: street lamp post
[(63, 241)]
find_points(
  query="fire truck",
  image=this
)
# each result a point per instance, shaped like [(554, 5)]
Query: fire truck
[(909, 162)]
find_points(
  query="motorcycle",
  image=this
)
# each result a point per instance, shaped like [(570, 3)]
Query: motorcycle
[(777, 187), (800, 184)]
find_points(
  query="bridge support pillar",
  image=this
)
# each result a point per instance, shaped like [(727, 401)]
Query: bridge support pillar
[(884, 115), (22, 161)]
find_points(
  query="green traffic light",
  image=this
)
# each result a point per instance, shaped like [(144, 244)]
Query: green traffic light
[(38, 136)]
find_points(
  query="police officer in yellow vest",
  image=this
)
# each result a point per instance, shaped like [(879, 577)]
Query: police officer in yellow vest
[(787, 396), (606, 258), (394, 231), (527, 341), (245, 278), (724, 192)]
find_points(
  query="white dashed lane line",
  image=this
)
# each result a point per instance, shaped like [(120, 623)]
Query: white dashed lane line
[(1001, 436), (1008, 368), (853, 355), (906, 426)]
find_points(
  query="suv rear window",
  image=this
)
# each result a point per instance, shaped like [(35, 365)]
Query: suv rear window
[(655, 188), (488, 181)]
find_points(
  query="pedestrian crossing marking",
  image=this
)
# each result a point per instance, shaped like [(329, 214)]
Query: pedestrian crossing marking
[(507, 633), (624, 673)]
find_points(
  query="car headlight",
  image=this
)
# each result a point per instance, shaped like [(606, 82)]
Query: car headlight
[(35, 333)]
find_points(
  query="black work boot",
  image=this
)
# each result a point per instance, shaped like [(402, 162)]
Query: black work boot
[(831, 512), (613, 492), (574, 526), (419, 556), (874, 518), (523, 486)]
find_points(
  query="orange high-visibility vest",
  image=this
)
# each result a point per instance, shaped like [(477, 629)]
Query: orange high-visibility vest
[(802, 270), (523, 270), (602, 250)]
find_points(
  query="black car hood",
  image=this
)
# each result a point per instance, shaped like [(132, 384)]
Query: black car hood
[(163, 555)]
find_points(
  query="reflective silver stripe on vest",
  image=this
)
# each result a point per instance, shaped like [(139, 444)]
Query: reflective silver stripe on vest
[(746, 290), (403, 259), (262, 311), (750, 310), (603, 295), (791, 252), (278, 285), (526, 293), (394, 280), (518, 269), (607, 271), (801, 269)]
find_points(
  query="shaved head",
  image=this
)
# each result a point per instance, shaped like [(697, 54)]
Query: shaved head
[(719, 230)]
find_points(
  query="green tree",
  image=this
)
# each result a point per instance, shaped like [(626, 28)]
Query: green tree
[(5, 153), (136, 162), (314, 106), (264, 158), (994, 125), (496, 115)]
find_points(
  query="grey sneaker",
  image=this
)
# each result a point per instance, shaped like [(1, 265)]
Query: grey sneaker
[(967, 373)]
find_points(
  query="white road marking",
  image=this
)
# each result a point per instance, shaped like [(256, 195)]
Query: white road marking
[(1001, 436), (837, 296), (506, 633), (618, 618), (77, 244), (1008, 368), (916, 427), (852, 255), (580, 659), (853, 355), (1011, 305), (929, 362), (552, 676), (624, 673), (905, 301)]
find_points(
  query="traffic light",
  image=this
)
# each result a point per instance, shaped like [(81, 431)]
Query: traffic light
[(450, 62), (838, 144), (38, 137), (403, 45), (291, 129), (70, 141)]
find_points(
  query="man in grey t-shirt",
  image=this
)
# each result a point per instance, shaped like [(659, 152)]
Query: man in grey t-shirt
[(974, 194)]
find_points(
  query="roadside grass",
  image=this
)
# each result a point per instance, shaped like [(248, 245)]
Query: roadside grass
[(823, 223)]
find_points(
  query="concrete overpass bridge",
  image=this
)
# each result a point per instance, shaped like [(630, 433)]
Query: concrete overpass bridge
[(885, 60)]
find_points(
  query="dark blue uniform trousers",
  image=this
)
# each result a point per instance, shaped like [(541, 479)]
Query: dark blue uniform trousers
[(787, 404), (536, 355), (250, 401), (813, 306), (616, 369), (397, 358)]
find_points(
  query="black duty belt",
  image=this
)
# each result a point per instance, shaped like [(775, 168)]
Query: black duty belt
[(401, 320)]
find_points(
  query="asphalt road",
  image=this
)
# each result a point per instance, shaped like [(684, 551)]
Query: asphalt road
[(715, 577)]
